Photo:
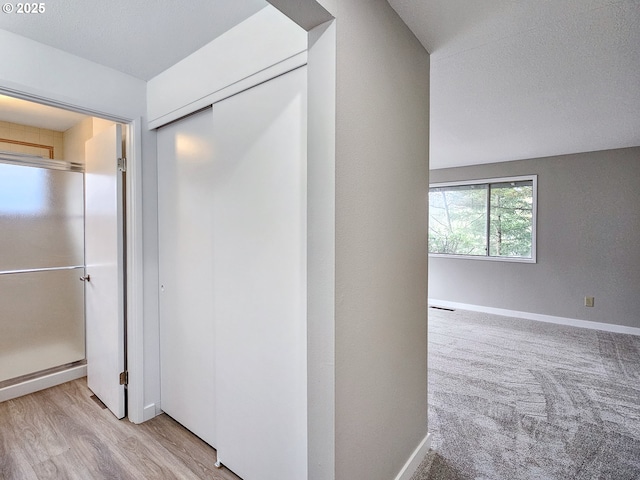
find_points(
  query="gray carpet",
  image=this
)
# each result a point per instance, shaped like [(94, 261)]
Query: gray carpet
[(518, 399)]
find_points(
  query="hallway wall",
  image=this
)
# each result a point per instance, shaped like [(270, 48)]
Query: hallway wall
[(382, 172)]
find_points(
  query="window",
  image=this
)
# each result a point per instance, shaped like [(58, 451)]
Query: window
[(486, 219), (23, 190)]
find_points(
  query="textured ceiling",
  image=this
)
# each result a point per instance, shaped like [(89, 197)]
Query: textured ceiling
[(514, 79), (141, 37), (510, 79)]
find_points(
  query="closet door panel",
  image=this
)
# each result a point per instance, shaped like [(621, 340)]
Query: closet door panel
[(185, 163), (259, 278)]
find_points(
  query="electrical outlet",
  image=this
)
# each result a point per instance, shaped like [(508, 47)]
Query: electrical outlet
[(588, 301)]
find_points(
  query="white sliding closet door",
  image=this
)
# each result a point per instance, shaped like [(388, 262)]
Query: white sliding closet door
[(185, 182), (259, 279)]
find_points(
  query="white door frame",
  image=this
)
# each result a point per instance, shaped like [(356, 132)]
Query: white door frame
[(134, 248)]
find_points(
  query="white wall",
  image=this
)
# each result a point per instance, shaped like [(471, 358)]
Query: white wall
[(226, 64), (35, 69)]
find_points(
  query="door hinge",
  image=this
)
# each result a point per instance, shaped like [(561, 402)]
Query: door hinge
[(124, 378), (122, 164)]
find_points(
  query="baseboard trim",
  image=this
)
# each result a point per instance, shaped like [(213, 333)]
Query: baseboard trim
[(574, 322), (149, 412), (415, 459), (40, 383)]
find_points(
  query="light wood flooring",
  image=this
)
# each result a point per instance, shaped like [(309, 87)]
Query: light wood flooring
[(61, 433)]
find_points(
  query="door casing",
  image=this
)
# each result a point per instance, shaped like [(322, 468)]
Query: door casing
[(133, 246)]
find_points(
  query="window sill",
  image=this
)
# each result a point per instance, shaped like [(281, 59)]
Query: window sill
[(485, 258)]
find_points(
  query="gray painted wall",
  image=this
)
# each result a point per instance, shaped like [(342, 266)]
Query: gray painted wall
[(321, 195), (587, 242), (382, 125)]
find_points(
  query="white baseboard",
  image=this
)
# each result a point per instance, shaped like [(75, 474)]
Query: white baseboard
[(574, 322), (149, 412), (415, 459), (40, 383)]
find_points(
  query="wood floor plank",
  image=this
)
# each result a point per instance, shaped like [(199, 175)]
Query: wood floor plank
[(76, 397), (66, 466), (37, 437), (92, 432), (13, 461), (152, 462), (193, 452), (120, 435), (97, 456), (60, 433), (16, 466)]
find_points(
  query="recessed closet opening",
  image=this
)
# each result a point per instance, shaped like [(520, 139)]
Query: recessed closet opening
[(232, 231)]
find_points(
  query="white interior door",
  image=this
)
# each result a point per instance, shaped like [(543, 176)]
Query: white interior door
[(185, 180), (104, 259), (259, 278)]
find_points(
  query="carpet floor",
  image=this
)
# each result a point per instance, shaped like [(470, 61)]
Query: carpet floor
[(519, 399)]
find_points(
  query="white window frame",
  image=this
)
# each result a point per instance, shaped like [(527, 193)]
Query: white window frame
[(534, 214)]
